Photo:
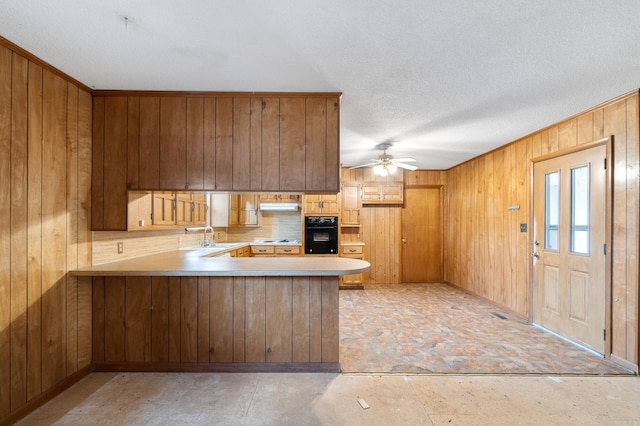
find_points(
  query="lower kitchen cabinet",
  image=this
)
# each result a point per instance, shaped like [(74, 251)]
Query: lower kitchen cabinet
[(354, 250), (205, 323), (275, 250)]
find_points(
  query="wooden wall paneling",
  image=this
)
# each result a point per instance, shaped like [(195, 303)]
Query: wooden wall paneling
[(17, 163), (615, 124), (84, 241), (553, 140), (98, 318), (332, 175), (510, 273), (255, 320), (149, 160), (300, 319), (481, 277), (493, 219), (256, 144), (115, 163), (292, 148), (521, 287), (315, 144), (567, 134), (241, 144), (189, 319), (133, 142), (239, 319), (97, 169), (598, 124), (54, 230), (221, 311), (18, 229), (138, 319), (203, 319), (195, 143), (536, 145), (175, 329), (34, 235), (173, 144), (330, 325), (160, 319), (5, 230), (315, 319), (114, 319), (209, 148), (271, 169), (72, 228), (278, 298), (584, 129), (500, 215), (224, 143), (633, 229)]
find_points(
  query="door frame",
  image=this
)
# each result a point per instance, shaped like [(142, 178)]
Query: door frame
[(608, 228), (443, 225)]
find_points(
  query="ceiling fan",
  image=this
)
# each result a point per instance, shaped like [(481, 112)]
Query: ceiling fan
[(385, 164)]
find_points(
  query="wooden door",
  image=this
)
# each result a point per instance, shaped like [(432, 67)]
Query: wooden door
[(569, 259), (422, 236)]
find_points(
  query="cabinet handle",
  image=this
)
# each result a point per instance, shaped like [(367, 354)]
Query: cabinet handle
[(352, 250)]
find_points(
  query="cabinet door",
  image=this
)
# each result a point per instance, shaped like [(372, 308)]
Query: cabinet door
[(184, 209), (312, 203), (330, 205), (173, 155), (199, 209), (370, 192), (350, 214), (164, 208), (392, 193), (243, 209)]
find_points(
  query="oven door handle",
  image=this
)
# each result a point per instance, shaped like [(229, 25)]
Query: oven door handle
[(313, 228)]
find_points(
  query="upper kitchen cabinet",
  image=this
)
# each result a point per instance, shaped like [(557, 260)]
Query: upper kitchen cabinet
[(211, 142)]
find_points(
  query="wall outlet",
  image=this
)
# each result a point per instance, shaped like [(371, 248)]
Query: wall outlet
[(120, 247)]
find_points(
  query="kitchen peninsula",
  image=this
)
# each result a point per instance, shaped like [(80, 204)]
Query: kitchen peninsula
[(190, 310)]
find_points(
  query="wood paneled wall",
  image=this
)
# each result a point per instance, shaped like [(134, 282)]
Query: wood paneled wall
[(174, 323), (45, 178), (489, 256)]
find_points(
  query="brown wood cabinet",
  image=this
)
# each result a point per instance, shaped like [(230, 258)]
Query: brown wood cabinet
[(214, 142), (243, 209), (165, 209), (382, 193), (321, 204), (352, 281), (275, 250), (351, 205)]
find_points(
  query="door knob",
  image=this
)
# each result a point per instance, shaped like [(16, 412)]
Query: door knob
[(404, 241), (536, 255)]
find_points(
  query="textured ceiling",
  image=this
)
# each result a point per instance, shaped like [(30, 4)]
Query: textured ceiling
[(444, 80)]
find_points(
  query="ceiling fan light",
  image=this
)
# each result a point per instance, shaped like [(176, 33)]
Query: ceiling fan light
[(381, 170), (391, 168)]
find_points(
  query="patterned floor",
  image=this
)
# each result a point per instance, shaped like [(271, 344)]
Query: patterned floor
[(438, 329)]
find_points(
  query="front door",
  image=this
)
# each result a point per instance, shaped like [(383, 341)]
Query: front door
[(569, 260), (422, 236)]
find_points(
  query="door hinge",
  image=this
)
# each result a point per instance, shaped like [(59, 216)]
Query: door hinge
[(604, 334), (604, 249), (605, 164)]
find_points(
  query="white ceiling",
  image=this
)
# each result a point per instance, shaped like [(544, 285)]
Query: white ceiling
[(444, 80)]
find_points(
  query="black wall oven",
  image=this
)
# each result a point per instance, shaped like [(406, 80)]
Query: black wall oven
[(321, 235)]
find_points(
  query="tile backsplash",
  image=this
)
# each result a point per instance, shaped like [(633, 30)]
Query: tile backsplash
[(273, 225)]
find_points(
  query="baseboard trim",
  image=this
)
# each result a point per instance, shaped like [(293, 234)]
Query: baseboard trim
[(45, 396), (218, 367)]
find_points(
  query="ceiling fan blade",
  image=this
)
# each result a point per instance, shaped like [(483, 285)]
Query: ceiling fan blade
[(363, 165), (407, 166), (404, 160)]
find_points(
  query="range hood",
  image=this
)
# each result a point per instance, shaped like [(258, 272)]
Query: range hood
[(289, 207)]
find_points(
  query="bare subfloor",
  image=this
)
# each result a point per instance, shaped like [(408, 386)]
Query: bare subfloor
[(412, 354), (332, 399)]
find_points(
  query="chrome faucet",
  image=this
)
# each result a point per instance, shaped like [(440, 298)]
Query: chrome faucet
[(206, 242)]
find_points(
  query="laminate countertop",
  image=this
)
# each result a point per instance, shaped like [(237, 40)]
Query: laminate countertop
[(203, 262)]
